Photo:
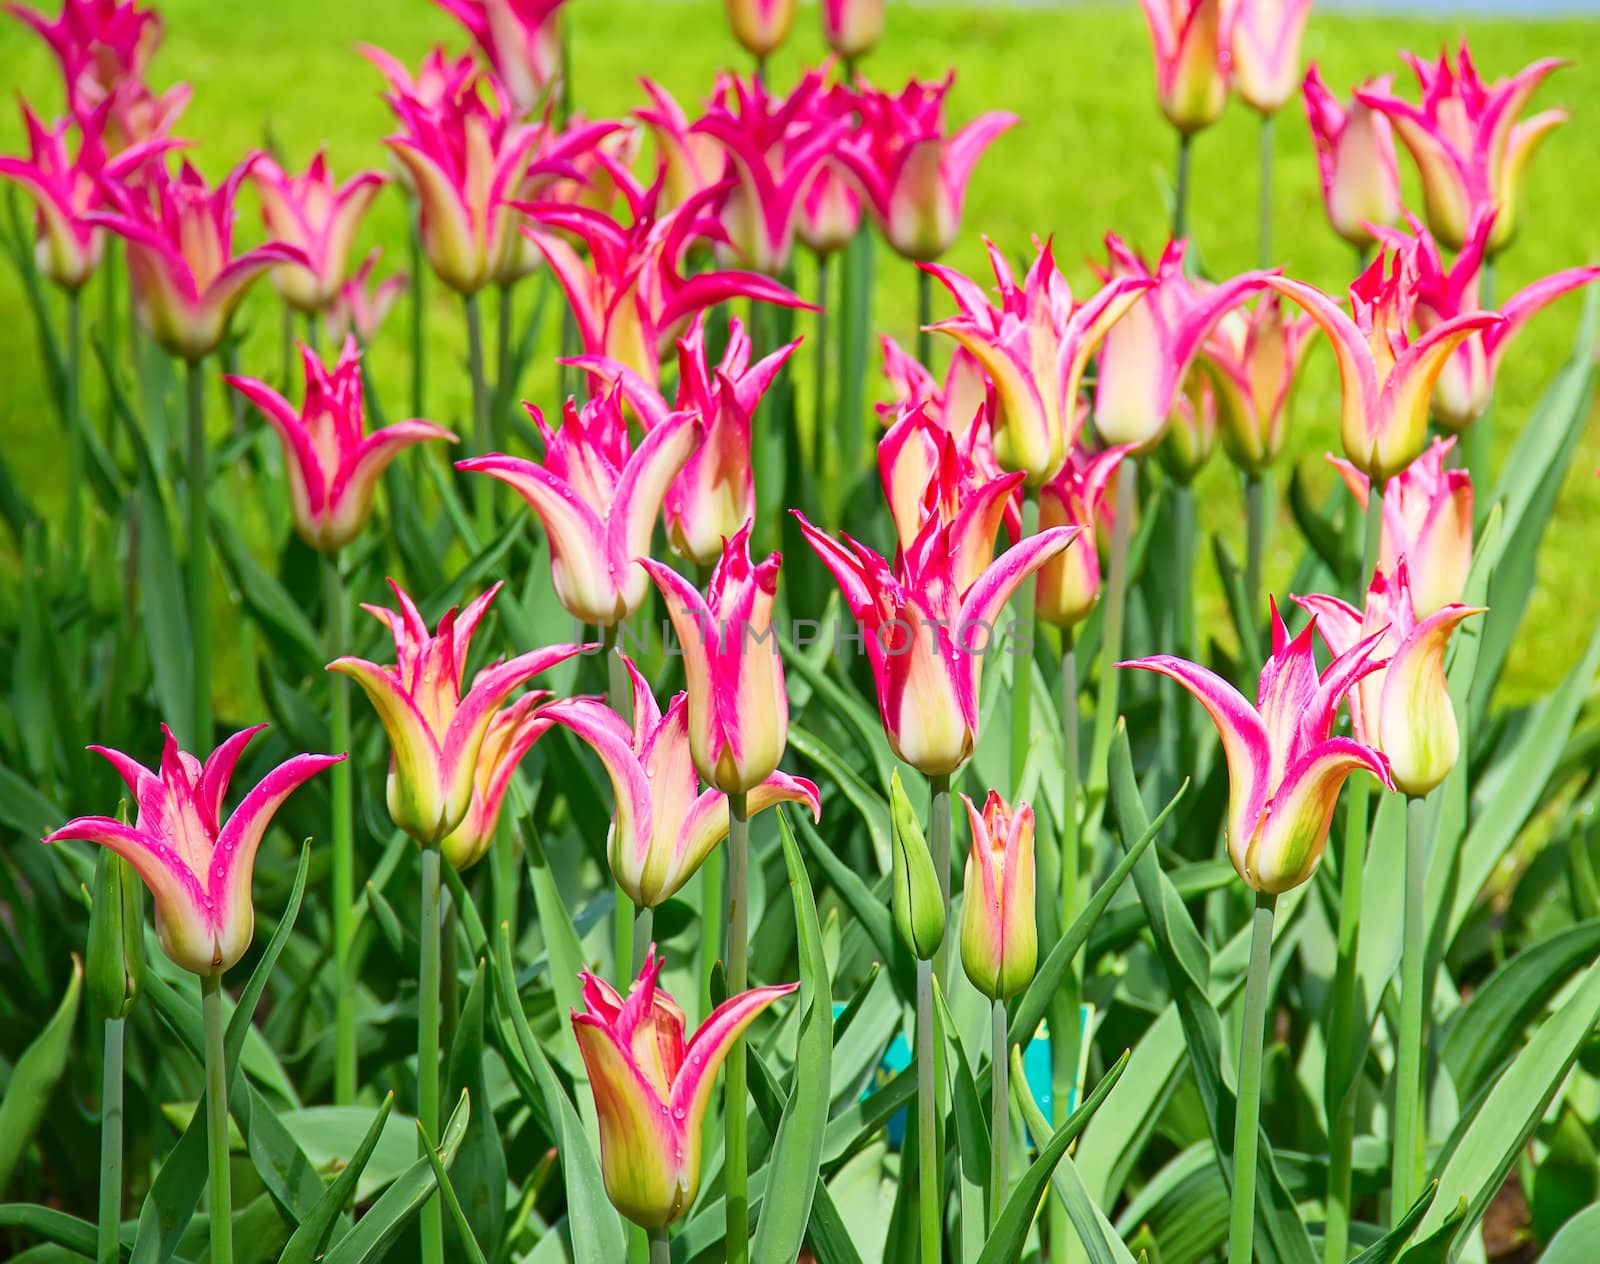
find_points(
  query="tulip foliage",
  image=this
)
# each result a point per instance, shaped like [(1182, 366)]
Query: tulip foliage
[(805, 790)]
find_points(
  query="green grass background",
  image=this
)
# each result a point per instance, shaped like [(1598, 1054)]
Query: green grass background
[(1093, 154)]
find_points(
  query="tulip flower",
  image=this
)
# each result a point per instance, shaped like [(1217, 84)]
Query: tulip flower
[(1034, 348), (1384, 377), (1191, 430), (651, 1089), (1466, 384), (830, 208), (912, 176), (439, 77), (333, 466), (689, 161), (308, 211), (1263, 42), (1191, 65), (738, 710), (852, 28), (1355, 155), (960, 405), (197, 866), (187, 282), (760, 26), (1147, 353), (630, 299), (926, 638), (437, 734), (99, 44), (1250, 360), (521, 40), (715, 494), (665, 825), (598, 497), (999, 936), (65, 187), (587, 164), (1284, 770), (1068, 586), (1402, 709), (1427, 519), (511, 735), (359, 307)]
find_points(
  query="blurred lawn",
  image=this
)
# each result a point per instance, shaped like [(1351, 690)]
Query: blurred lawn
[(1093, 155)]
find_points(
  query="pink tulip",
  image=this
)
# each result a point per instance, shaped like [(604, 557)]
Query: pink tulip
[(511, 735), (333, 466), (308, 211), (197, 866), (65, 187), (187, 282), (1284, 770), (1427, 519), (830, 209), (664, 825), (1148, 352), (522, 41), (651, 1089), (359, 307), (1467, 143), (1466, 384), (760, 26), (1404, 708), (1263, 42), (926, 637), (738, 708), (99, 44), (1385, 378), (598, 497), (1250, 360), (1068, 586), (715, 494), (1355, 155), (1191, 61), (852, 28), (436, 734), (911, 174), (999, 931), (960, 405), (689, 161), (439, 77), (1034, 348)]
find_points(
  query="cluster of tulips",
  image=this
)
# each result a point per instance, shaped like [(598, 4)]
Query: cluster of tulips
[(1053, 409)]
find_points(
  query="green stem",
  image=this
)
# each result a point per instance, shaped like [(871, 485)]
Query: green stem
[(1025, 624), (432, 1216), (1264, 205), (924, 317), (1409, 1105), (482, 441), (1180, 192), (286, 350), (70, 414), (1183, 552), (940, 812), (999, 1113), (617, 694), (217, 1119), (713, 874), (1247, 1119), (107, 1248), (110, 269), (504, 387), (660, 1247), (199, 561), (343, 832), (1064, 1011), (1116, 596), (419, 314), (314, 333), (928, 1201), (1255, 541), (644, 925), (824, 432), (735, 1145)]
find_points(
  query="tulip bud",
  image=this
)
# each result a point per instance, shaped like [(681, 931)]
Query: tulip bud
[(761, 26), (918, 901), (1191, 430), (852, 28), (999, 939), (114, 959), (1191, 76)]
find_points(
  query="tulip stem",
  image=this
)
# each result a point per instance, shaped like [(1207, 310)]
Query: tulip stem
[(504, 386), (419, 314), (1105, 715), (217, 1119), (1020, 636), (1264, 204), (824, 437), (482, 440), (736, 1159), (1180, 192), (924, 318), (343, 830), (940, 788), (1247, 1118), (286, 363), (928, 1213), (107, 1249), (618, 697), (74, 423), (1409, 1106), (432, 1216), (1255, 542), (644, 926), (199, 561), (660, 1247), (1065, 1005), (999, 1113), (1183, 552)]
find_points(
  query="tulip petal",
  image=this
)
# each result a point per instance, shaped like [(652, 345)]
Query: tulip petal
[(1295, 831), (608, 736), (1417, 722)]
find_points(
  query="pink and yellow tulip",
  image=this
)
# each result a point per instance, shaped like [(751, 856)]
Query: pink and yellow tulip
[(913, 175), (598, 497), (925, 636), (664, 825), (959, 405), (1467, 143), (360, 306), (738, 708), (99, 44), (1403, 709), (187, 282), (1251, 359), (830, 209), (651, 1089), (1191, 61), (197, 866), (332, 464), (311, 212), (689, 162), (1068, 586), (1355, 156), (999, 933), (760, 26), (438, 78), (521, 39), (852, 28), (1263, 42), (1034, 348), (435, 733), (1384, 377), (1284, 768), (511, 735)]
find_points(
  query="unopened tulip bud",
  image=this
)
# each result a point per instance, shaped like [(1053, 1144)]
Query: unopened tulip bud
[(999, 936), (1191, 70), (114, 961), (852, 28), (761, 26), (918, 901), (1192, 431)]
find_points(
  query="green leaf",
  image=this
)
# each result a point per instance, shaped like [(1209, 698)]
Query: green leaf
[(274, 611), (562, 945), (447, 1192), (1436, 1247), (868, 908), (163, 605), (1387, 1248), (35, 1075), (310, 1240), (480, 1168), (1574, 1244), (78, 1236), (867, 801)]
